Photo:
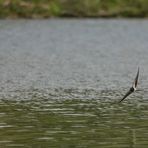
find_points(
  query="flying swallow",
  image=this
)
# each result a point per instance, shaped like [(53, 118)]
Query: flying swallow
[(133, 88)]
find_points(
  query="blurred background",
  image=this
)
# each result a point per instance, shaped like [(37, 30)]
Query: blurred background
[(73, 8)]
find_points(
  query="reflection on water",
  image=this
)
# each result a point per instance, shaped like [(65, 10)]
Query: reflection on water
[(61, 81), (97, 122)]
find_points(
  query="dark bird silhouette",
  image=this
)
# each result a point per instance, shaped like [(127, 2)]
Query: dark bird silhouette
[(133, 88)]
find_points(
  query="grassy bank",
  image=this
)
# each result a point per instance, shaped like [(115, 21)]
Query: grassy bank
[(73, 8)]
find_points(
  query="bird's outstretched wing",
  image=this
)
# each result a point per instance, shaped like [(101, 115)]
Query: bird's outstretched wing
[(136, 79), (127, 94), (133, 88)]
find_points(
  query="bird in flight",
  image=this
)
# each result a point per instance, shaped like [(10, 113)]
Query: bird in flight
[(133, 88)]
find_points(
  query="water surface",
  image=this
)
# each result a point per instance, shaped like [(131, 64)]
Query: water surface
[(61, 81)]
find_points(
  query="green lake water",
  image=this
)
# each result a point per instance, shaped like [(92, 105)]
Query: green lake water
[(73, 123)]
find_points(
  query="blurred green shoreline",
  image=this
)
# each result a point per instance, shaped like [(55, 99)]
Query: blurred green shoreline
[(73, 8)]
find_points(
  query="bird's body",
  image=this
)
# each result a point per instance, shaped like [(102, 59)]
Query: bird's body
[(133, 88)]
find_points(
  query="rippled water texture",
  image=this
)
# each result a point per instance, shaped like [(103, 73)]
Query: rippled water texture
[(61, 82)]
